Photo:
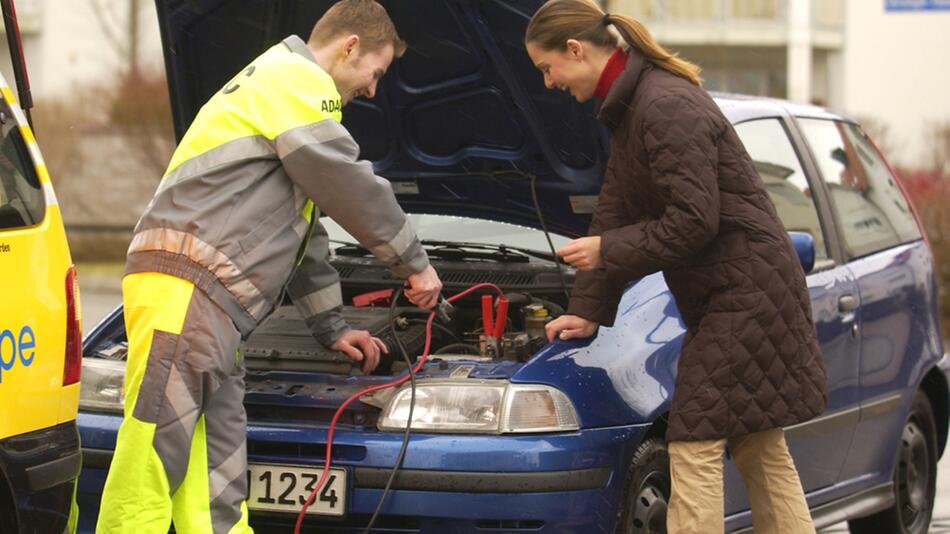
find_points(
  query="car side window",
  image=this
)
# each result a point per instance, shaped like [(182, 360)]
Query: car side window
[(872, 211), (774, 156), (21, 195)]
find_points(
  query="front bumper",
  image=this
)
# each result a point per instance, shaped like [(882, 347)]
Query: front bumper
[(448, 484), (40, 468)]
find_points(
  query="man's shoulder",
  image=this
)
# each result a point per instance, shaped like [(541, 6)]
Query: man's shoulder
[(285, 67)]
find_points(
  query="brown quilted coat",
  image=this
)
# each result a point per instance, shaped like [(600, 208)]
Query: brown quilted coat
[(681, 196)]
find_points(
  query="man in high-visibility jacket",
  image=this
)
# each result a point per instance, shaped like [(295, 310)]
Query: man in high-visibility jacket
[(233, 226)]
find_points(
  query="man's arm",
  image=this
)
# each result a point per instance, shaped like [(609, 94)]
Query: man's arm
[(322, 160), (315, 290)]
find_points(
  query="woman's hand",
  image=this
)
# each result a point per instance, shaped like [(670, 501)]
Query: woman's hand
[(583, 254), (570, 326)]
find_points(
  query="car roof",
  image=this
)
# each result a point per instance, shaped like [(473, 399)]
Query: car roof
[(738, 108)]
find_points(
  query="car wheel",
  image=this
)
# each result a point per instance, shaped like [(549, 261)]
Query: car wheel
[(647, 491), (915, 478)]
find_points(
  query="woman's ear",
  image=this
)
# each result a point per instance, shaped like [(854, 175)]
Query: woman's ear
[(575, 49)]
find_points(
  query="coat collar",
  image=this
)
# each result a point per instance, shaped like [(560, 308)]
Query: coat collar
[(299, 47), (618, 100)]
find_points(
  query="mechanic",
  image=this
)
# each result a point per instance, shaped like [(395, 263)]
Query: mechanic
[(682, 196), (232, 227)]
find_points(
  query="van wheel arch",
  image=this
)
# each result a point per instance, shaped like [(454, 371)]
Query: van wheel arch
[(8, 509)]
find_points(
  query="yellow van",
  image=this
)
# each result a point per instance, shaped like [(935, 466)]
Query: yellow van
[(40, 339)]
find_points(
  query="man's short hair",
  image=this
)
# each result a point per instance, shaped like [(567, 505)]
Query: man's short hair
[(365, 18)]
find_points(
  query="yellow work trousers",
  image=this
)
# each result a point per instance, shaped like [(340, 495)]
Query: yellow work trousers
[(180, 452), (775, 492)]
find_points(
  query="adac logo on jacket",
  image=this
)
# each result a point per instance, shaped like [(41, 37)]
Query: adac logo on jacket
[(331, 106)]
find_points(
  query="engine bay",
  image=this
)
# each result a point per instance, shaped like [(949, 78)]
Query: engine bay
[(533, 293)]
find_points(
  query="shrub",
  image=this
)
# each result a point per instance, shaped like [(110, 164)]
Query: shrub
[(106, 148), (929, 192)]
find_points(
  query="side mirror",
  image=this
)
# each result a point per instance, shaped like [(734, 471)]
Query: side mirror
[(805, 247)]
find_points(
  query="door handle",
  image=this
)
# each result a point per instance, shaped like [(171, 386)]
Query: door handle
[(847, 303)]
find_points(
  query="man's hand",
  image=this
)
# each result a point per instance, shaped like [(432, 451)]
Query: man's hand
[(361, 347), (424, 288), (570, 326), (583, 253)]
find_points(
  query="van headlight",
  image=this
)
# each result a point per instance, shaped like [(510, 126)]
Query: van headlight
[(480, 407), (103, 385)]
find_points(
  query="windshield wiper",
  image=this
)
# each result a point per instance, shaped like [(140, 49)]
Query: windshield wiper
[(514, 254), (459, 251)]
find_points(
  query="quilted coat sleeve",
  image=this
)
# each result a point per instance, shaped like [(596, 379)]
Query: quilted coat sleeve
[(595, 296), (681, 142)]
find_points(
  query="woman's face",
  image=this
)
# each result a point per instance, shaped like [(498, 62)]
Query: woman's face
[(568, 70)]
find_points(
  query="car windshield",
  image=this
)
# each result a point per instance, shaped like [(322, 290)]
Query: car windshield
[(448, 228)]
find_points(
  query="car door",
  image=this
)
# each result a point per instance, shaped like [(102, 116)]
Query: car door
[(883, 248), (819, 446)]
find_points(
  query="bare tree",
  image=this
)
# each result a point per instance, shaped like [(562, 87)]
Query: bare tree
[(879, 132), (940, 147), (121, 30)]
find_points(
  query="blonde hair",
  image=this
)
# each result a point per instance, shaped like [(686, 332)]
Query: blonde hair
[(365, 18), (559, 20)]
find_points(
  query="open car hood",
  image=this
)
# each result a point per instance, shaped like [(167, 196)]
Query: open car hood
[(459, 124)]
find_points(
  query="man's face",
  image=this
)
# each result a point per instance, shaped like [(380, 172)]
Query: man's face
[(359, 72)]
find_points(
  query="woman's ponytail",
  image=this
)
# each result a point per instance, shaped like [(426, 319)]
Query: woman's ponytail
[(559, 20), (638, 37)]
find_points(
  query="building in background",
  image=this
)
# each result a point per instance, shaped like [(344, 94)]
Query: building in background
[(76, 44), (101, 112), (883, 60), (29, 17), (782, 48)]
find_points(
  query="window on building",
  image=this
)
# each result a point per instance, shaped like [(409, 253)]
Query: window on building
[(774, 156), (870, 207), (755, 9), (21, 195)]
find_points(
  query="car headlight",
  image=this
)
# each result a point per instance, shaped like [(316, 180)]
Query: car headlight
[(481, 407), (103, 385)]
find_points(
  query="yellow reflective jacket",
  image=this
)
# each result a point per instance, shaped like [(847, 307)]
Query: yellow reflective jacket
[(234, 206)]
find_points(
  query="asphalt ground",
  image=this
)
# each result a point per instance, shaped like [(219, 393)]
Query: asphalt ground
[(99, 295)]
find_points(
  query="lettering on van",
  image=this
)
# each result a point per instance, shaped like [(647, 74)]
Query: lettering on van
[(4, 247), (19, 347)]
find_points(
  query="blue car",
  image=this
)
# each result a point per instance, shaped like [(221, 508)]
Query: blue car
[(510, 433)]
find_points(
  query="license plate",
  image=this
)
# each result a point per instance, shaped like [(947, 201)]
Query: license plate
[(285, 488)]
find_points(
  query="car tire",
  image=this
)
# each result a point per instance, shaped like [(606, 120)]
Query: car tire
[(647, 492), (915, 478)]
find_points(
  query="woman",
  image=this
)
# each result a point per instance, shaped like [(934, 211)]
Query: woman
[(681, 196)]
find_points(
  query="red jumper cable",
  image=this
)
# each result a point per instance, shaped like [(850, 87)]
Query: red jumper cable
[(502, 316)]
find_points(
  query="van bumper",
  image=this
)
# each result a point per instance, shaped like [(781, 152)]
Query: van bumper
[(38, 471)]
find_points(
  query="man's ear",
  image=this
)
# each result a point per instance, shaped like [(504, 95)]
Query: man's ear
[(575, 48), (351, 45)]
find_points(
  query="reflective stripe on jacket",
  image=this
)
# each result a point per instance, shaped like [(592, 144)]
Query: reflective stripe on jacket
[(229, 213)]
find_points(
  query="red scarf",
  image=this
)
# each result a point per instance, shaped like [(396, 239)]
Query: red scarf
[(615, 65)]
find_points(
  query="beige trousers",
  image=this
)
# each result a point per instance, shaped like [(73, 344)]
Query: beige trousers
[(775, 492)]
